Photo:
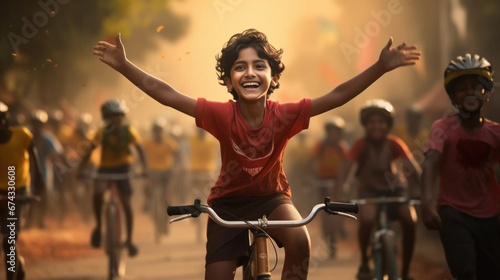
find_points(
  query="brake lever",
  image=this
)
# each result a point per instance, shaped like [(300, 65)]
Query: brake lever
[(180, 218), (343, 215)]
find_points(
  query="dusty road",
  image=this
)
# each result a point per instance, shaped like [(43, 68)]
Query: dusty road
[(64, 254)]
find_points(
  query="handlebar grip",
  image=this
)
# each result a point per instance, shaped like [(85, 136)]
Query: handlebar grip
[(181, 210), (343, 207)]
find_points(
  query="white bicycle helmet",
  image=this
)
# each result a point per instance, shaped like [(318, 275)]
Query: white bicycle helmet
[(39, 117), (377, 106), (160, 123), (469, 65), (335, 122)]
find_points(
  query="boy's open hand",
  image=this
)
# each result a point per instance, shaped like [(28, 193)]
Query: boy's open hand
[(110, 54), (402, 55)]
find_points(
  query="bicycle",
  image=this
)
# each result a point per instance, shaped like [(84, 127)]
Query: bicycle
[(384, 248), (12, 203), (257, 266), (113, 227)]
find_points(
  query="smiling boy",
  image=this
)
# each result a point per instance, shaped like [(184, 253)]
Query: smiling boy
[(253, 132), (462, 150)]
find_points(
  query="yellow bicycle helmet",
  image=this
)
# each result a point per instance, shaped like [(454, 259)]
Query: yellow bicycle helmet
[(469, 65)]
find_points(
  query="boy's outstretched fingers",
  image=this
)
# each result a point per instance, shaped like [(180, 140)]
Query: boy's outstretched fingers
[(113, 55), (389, 44), (402, 55), (118, 39)]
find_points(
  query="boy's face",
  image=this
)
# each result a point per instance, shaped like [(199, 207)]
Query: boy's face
[(114, 119), (158, 133), (333, 133), (376, 127), (251, 76), (469, 94)]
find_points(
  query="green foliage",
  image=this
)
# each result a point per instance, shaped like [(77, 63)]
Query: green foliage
[(50, 41)]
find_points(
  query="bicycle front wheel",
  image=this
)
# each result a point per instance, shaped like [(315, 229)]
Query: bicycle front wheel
[(113, 243), (389, 255)]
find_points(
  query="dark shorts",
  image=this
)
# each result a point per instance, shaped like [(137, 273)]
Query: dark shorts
[(232, 244), (124, 186), (392, 208), (471, 245)]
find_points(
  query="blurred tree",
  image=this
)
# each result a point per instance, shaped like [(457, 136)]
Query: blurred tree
[(46, 44)]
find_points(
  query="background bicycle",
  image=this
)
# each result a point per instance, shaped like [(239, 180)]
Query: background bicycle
[(113, 232), (384, 243)]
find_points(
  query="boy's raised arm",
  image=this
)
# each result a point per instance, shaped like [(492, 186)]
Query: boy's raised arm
[(159, 90), (390, 58)]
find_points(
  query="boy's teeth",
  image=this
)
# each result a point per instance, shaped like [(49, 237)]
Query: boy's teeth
[(252, 84)]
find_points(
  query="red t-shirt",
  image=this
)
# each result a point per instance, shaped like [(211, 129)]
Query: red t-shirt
[(251, 158), (467, 180), (330, 159), (377, 171)]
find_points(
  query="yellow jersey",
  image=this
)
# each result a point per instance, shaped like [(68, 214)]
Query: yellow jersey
[(160, 155), (203, 153), (115, 150), (14, 155)]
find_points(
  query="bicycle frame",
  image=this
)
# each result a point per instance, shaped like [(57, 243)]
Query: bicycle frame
[(259, 259)]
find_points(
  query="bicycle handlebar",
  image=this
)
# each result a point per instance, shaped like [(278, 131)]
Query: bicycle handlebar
[(195, 210), (113, 176), (390, 199)]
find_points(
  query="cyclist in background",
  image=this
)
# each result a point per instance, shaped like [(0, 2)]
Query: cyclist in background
[(462, 150), (376, 156), (161, 150), (415, 135), (51, 154), (297, 167), (329, 156), (115, 139), (62, 171), (59, 128), (20, 156), (79, 146), (202, 168), (203, 162)]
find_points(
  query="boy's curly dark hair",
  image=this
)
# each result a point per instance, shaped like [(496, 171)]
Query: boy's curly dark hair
[(248, 38)]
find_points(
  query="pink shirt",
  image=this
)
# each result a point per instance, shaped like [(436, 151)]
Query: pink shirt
[(252, 158), (467, 180)]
